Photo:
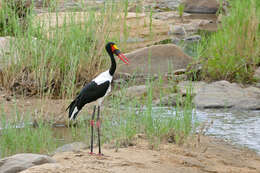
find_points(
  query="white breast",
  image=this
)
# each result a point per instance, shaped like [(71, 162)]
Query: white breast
[(103, 77)]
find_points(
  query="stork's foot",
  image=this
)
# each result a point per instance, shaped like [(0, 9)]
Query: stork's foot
[(100, 154), (94, 154)]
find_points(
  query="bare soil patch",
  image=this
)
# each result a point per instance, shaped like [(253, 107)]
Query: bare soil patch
[(210, 156)]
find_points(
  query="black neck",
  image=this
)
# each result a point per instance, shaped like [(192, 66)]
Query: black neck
[(113, 63)]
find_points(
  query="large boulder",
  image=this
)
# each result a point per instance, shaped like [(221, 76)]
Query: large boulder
[(157, 59), (201, 6), (223, 94), (20, 162)]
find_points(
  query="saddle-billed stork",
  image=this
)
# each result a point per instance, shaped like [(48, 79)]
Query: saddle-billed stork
[(96, 90)]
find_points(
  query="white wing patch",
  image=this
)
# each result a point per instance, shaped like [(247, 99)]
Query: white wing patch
[(103, 77), (73, 113)]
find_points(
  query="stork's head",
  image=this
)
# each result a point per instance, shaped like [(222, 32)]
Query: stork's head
[(112, 48)]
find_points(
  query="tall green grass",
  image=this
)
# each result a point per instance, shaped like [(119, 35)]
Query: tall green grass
[(55, 55), (233, 52), (129, 118), (23, 138)]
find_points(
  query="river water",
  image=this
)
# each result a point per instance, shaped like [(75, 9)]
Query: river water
[(235, 126)]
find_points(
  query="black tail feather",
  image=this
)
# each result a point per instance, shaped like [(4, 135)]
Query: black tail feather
[(71, 108), (71, 104)]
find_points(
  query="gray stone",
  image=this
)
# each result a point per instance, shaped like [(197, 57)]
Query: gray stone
[(188, 87), (73, 147), (180, 71), (175, 40), (134, 40), (170, 100), (201, 6), (169, 15), (223, 94), (134, 91), (20, 162), (121, 77), (177, 29), (192, 162), (164, 5), (155, 60), (185, 28), (118, 82), (193, 38)]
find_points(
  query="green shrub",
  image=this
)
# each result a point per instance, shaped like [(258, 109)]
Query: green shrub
[(233, 52)]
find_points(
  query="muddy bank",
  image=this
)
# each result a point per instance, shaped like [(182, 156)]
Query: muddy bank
[(210, 155)]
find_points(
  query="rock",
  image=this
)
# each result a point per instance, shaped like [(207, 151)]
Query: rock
[(192, 162), (179, 71), (184, 28), (138, 7), (73, 147), (186, 87), (134, 91), (201, 6), (20, 162), (163, 5), (155, 60), (118, 82), (48, 167), (219, 19), (257, 74), (124, 76), (134, 40), (204, 22), (175, 40), (222, 94), (170, 100), (177, 29), (169, 15), (132, 15), (193, 38)]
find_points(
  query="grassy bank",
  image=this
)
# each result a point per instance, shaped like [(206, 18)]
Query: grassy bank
[(49, 57), (233, 52), (122, 121)]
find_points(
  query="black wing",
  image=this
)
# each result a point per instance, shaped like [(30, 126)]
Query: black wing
[(91, 92)]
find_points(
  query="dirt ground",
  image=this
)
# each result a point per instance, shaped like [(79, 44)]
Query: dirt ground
[(211, 155)]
